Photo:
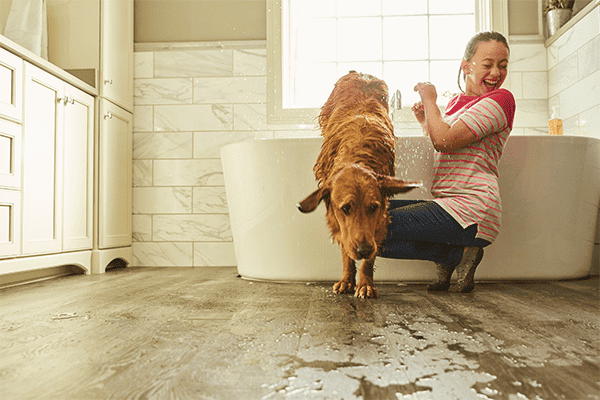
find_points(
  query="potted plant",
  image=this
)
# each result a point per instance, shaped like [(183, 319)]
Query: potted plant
[(558, 12)]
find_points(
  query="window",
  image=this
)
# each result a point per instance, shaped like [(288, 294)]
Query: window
[(311, 43)]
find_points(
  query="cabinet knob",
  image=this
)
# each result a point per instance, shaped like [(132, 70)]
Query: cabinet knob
[(66, 100), (108, 115), (108, 81)]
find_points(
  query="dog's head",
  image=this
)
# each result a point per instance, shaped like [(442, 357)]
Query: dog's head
[(356, 200)]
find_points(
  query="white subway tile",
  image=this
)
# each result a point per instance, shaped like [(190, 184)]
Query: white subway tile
[(193, 228), (142, 119), (552, 55), (531, 113), (251, 117), (143, 64), (563, 75), (514, 83), (245, 90), (250, 62), (583, 94), (215, 254), (162, 200), (193, 63), (163, 254), (142, 173), (527, 57), (141, 227), (583, 31), (162, 145), (589, 57), (162, 91), (535, 85), (209, 200), (201, 117), (188, 173)]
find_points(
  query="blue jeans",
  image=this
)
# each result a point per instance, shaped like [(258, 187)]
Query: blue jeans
[(422, 230)]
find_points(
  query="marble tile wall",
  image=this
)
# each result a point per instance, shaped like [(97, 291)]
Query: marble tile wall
[(574, 76), (574, 86), (190, 103)]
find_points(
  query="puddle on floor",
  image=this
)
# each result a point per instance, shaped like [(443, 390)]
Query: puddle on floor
[(416, 356)]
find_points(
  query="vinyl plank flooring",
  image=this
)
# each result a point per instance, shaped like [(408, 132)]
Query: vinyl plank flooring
[(203, 333)]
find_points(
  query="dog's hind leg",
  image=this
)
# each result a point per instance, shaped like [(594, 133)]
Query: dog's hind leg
[(346, 284), (365, 287)]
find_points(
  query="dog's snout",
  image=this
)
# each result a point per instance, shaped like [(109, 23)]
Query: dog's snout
[(364, 250)]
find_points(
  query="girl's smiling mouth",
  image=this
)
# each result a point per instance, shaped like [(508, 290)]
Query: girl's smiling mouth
[(490, 84)]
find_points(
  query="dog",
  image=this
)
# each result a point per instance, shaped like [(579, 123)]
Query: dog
[(355, 172)]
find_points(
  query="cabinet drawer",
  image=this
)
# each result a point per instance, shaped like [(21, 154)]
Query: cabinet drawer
[(10, 223), (11, 86), (10, 154)]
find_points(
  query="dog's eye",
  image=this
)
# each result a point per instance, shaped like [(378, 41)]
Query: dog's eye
[(372, 208), (346, 208)]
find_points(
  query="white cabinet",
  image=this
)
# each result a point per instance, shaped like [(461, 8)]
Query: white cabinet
[(42, 159), (65, 156), (57, 165), (115, 170), (78, 170), (116, 52), (11, 88)]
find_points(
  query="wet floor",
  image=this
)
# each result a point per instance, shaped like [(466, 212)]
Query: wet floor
[(203, 333)]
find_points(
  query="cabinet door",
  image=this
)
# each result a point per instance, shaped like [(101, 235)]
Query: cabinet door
[(10, 154), (115, 191), (42, 162), (10, 223), (11, 86), (117, 52), (78, 170)]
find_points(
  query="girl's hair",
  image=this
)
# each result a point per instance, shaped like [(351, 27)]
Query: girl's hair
[(471, 48)]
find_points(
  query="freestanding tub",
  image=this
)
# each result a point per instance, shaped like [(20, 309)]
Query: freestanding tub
[(550, 188)]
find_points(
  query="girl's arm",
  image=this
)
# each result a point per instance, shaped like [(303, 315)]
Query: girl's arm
[(445, 137)]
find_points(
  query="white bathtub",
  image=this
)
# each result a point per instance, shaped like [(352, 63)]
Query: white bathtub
[(550, 188)]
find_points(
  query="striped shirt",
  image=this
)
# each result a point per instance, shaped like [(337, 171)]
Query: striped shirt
[(465, 181)]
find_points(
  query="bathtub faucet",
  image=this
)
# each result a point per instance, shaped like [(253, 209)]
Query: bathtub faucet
[(396, 100)]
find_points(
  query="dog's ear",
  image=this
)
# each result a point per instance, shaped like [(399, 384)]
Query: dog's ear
[(312, 201), (390, 186)]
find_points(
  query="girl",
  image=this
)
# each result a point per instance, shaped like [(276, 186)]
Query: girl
[(469, 138)]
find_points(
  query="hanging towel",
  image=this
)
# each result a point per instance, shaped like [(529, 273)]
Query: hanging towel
[(27, 26)]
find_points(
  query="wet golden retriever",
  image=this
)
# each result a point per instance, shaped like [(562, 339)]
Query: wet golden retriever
[(355, 173)]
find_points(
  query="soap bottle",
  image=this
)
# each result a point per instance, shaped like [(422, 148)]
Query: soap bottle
[(555, 125)]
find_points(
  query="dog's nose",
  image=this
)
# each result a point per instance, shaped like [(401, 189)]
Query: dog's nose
[(364, 250)]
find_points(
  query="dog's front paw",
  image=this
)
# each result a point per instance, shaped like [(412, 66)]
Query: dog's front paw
[(343, 286), (366, 291)]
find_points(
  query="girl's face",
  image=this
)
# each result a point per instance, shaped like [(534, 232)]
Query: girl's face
[(487, 69)]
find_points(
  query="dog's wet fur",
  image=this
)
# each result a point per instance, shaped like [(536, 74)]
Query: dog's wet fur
[(355, 172)]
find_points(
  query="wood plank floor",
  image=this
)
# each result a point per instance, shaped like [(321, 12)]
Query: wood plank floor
[(203, 333)]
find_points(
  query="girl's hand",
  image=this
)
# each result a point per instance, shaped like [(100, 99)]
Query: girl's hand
[(427, 91), (419, 112)]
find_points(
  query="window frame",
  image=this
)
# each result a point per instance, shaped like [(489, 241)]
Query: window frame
[(489, 15)]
